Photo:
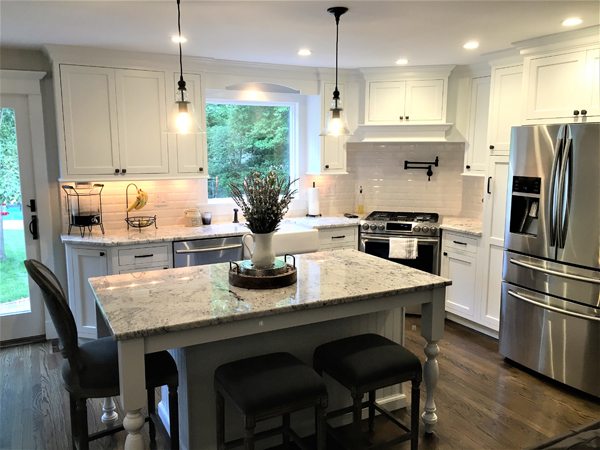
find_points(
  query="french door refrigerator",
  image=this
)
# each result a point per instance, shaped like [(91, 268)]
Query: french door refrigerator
[(550, 310)]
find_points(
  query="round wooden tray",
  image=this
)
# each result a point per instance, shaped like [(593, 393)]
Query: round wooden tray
[(244, 275)]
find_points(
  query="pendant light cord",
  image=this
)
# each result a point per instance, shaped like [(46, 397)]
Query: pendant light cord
[(181, 84), (337, 38)]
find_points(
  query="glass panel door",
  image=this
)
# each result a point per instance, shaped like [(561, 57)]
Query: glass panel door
[(20, 305)]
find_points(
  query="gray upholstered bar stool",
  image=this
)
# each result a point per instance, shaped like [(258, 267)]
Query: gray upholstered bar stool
[(368, 362), (267, 386)]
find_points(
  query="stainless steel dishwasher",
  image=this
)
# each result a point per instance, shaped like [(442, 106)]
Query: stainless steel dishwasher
[(197, 252)]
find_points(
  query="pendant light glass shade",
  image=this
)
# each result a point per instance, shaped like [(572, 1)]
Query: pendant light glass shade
[(335, 123), (184, 117)]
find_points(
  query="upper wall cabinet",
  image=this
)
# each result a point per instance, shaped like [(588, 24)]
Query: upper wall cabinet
[(410, 101), (114, 121), (563, 85), (476, 153), (505, 107)]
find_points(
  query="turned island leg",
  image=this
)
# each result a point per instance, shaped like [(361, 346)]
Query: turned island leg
[(132, 381), (109, 413), (432, 329)]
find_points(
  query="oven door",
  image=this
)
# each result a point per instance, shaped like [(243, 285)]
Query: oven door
[(428, 259)]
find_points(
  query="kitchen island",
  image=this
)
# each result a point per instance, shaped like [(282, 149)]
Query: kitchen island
[(195, 310)]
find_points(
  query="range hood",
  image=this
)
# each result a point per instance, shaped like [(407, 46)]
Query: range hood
[(435, 132)]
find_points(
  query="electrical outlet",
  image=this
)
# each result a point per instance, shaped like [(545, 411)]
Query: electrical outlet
[(160, 200)]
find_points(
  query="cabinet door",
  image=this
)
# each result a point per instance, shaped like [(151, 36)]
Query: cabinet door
[(555, 85), (493, 242), (592, 73), (424, 101), (333, 150), (476, 150), (460, 296), (191, 148), (385, 101), (505, 107), (90, 120), (141, 106), (84, 263)]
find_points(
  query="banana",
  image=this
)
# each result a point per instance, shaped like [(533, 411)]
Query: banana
[(140, 201)]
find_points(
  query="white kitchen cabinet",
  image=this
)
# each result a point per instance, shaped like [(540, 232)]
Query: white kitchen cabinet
[(494, 213), (405, 102), (338, 238), (190, 149), (459, 264), (476, 152), (505, 107), (563, 85), (114, 121), (84, 262)]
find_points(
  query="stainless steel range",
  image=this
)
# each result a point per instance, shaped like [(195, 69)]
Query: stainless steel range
[(379, 227)]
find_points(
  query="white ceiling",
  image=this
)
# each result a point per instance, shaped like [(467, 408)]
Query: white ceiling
[(372, 33)]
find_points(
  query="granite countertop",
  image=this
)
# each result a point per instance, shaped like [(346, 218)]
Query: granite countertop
[(464, 225), (325, 221), (135, 304), (151, 235)]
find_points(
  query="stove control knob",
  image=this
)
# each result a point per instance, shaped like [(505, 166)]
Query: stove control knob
[(417, 228), (373, 227), (365, 226), (433, 229), (381, 227), (425, 229)]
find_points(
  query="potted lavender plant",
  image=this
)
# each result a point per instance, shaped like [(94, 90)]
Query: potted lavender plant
[(264, 199)]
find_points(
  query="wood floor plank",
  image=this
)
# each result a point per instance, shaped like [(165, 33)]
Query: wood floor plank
[(484, 402)]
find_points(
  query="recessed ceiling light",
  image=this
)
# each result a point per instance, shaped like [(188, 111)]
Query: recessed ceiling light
[(176, 39), (304, 52), (471, 45), (402, 61), (571, 22)]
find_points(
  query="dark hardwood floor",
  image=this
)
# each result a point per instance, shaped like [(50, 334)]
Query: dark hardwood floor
[(484, 402)]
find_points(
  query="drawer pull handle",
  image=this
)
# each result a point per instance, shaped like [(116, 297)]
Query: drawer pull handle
[(460, 243), (338, 237), (552, 308), (144, 256)]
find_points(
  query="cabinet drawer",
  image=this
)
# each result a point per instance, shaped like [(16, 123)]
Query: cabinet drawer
[(144, 255), (460, 242), (343, 237), (143, 269)]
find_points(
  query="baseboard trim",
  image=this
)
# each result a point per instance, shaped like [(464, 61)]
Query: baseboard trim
[(23, 341)]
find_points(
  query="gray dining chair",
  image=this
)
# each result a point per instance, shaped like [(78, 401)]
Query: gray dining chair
[(91, 370)]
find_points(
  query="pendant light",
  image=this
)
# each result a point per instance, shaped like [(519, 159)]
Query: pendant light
[(336, 121), (184, 110)]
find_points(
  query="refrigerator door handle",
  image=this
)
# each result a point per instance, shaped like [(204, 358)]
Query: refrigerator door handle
[(570, 276), (564, 191), (552, 210), (552, 308)]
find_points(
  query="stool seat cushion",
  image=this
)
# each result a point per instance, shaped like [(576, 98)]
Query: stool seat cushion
[(266, 382), (366, 360), (99, 369)]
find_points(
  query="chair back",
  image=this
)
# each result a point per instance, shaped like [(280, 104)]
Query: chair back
[(56, 302)]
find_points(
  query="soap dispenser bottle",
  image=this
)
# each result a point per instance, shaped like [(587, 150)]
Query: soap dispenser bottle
[(360, 201)]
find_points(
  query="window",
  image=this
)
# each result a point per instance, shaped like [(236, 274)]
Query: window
[(244, 137)]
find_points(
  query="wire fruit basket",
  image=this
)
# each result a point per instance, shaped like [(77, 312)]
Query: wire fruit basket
[(138, 222)]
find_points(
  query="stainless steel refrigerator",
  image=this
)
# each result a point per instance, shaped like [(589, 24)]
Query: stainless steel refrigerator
[(550, 313)]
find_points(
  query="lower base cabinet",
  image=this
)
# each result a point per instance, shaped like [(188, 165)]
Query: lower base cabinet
[(87, 261), (338, 238)]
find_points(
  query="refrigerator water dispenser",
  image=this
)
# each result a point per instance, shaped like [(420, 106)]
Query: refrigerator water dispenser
[(525, 205)]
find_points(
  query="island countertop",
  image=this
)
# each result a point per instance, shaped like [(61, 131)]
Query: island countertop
[(157, 302)]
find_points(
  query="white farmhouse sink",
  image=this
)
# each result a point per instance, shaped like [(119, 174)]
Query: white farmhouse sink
[(293, 239)]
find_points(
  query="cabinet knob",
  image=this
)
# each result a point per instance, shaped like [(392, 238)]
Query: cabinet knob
[(583, 112), (117, 170), (123, 170), (401, 117), (327, 166), (576, 112), (491, 147), (406, 117), (468, 167), (101, 253), (445, 253), (201, 169)]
